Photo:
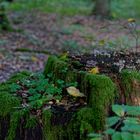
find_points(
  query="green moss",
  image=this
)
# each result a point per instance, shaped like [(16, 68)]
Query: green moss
[(126, 79), (46, 118), (31, 122), (4, 87), (14, 123), (58, 132), (18, 76), (7, 103), (77, 128), (100, 91), (85, 119), (57, 67), (71, 76)]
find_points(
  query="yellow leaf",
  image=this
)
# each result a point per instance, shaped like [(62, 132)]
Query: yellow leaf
[(64, 56), (94, 70), (74, 92), (102, 42), (33, 58), (131, 20)]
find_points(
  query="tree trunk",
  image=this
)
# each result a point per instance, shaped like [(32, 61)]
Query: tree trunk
[(102, 8)]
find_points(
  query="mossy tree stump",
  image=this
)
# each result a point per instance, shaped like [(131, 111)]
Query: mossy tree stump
[(99, 89)]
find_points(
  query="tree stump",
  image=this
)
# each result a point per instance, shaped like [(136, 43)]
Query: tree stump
[(55, 125)]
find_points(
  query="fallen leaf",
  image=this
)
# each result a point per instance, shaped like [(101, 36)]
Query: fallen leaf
[(131, 20), (94, 70), (74, 92), (34, 59)]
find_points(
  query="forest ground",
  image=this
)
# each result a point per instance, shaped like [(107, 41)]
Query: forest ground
[(54, 34)]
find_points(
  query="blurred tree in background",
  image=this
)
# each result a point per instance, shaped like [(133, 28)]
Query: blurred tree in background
[(4, 22), (102, 8)]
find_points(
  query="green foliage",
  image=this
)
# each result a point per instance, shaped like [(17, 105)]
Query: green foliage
[(38, 89), (125, 125), (64, 7), (14, 87)]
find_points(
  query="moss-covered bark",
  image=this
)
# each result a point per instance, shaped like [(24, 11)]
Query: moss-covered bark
[(130, 81), (15, 124)]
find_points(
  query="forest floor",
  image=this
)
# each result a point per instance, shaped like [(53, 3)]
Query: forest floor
[(40, 34)]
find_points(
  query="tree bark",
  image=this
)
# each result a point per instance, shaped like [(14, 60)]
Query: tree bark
[(102, 8)]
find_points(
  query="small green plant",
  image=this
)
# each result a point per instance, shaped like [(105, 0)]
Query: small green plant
[(36, 90), (125, 125)]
